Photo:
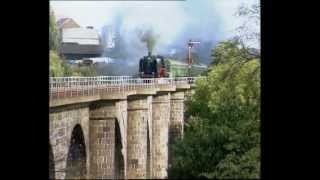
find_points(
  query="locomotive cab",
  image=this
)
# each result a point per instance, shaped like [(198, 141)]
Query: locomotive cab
[(152, 67), (161, 67), (148, 67)]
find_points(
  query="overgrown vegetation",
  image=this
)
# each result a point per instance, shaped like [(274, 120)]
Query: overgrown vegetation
[(57, 66), (53, 33), (222, 128)]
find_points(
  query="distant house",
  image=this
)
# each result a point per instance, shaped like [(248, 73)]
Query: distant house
[(65, 23), (77, 42)]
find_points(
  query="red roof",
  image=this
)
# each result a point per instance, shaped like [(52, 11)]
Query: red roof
[(63, 21)]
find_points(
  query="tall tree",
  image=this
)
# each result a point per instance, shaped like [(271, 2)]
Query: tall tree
[(53, 33), (248, 34), (222, 131), (55, 65), (222, 138)]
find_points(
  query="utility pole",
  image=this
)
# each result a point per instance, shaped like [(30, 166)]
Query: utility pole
[(190, 45)]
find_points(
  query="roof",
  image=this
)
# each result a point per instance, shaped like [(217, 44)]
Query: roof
[(61, 21), (66, 23), (174, 62)]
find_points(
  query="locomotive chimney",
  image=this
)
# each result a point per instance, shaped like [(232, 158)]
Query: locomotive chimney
[(149, 53)]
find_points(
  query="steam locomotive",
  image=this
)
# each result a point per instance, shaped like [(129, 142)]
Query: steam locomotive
[(152, 66), (157, 66)]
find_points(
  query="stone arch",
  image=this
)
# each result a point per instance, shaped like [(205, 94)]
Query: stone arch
[(51, 163), (76, 159), (119, 157)]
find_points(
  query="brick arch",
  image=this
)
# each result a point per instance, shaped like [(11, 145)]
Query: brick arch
[(51, 163), (77, 155), (121, 118), (119, 163)]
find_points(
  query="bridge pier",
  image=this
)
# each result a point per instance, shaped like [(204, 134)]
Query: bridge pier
[(176, 118), (160, 126), (176, 115), (102, 140), (189, 93), (138, 140)]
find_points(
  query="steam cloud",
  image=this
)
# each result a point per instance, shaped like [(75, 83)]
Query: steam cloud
[(149, 38), (172, 24)]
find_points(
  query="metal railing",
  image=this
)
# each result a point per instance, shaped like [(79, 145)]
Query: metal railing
[(62, 87)]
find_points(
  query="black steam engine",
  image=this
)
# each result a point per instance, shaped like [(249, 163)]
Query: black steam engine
[(152, 66)]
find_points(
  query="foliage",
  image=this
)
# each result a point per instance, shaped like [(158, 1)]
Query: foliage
[(84, 71), (222, 138), (55, 65), (225, 51), (53, 33), (58, 67), (248, 33)]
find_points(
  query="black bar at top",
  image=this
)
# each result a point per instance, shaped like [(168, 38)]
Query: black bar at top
[(116, 0)]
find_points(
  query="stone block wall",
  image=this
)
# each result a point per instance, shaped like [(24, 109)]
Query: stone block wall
[(62, 121), (160, 126), (137, 146), (124, 138), (102, 139), (176, 115)]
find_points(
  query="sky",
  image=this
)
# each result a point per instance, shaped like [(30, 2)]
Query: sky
[(174, 13), (173, 21)]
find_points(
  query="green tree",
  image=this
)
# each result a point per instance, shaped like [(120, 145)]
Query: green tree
[(58, 68), (53, 33), (85, 70), (55, 65), (222, 138)]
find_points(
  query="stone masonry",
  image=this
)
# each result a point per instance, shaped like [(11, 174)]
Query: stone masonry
[(137, 137), (125, 136), (176, 115), (102, 140), (62, 120), (160, 125)]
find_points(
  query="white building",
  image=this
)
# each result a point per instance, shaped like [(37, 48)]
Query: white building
[(78, 43)]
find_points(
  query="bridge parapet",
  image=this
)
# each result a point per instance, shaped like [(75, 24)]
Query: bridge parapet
[(68, 87)]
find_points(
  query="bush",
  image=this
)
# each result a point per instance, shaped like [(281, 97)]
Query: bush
[(55, 65)]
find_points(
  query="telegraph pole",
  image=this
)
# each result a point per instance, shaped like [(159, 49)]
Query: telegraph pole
[(190, 45)]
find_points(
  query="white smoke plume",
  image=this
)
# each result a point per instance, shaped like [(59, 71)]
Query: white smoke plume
[(175, 22)]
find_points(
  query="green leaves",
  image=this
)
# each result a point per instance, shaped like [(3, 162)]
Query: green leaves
[(59, 68), (55, 66), (222, 138), (53, 33)]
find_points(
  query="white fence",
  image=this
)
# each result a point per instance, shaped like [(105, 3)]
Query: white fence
[(62, 87)]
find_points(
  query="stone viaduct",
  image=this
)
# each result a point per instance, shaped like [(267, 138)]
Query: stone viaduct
[(114, 129)]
